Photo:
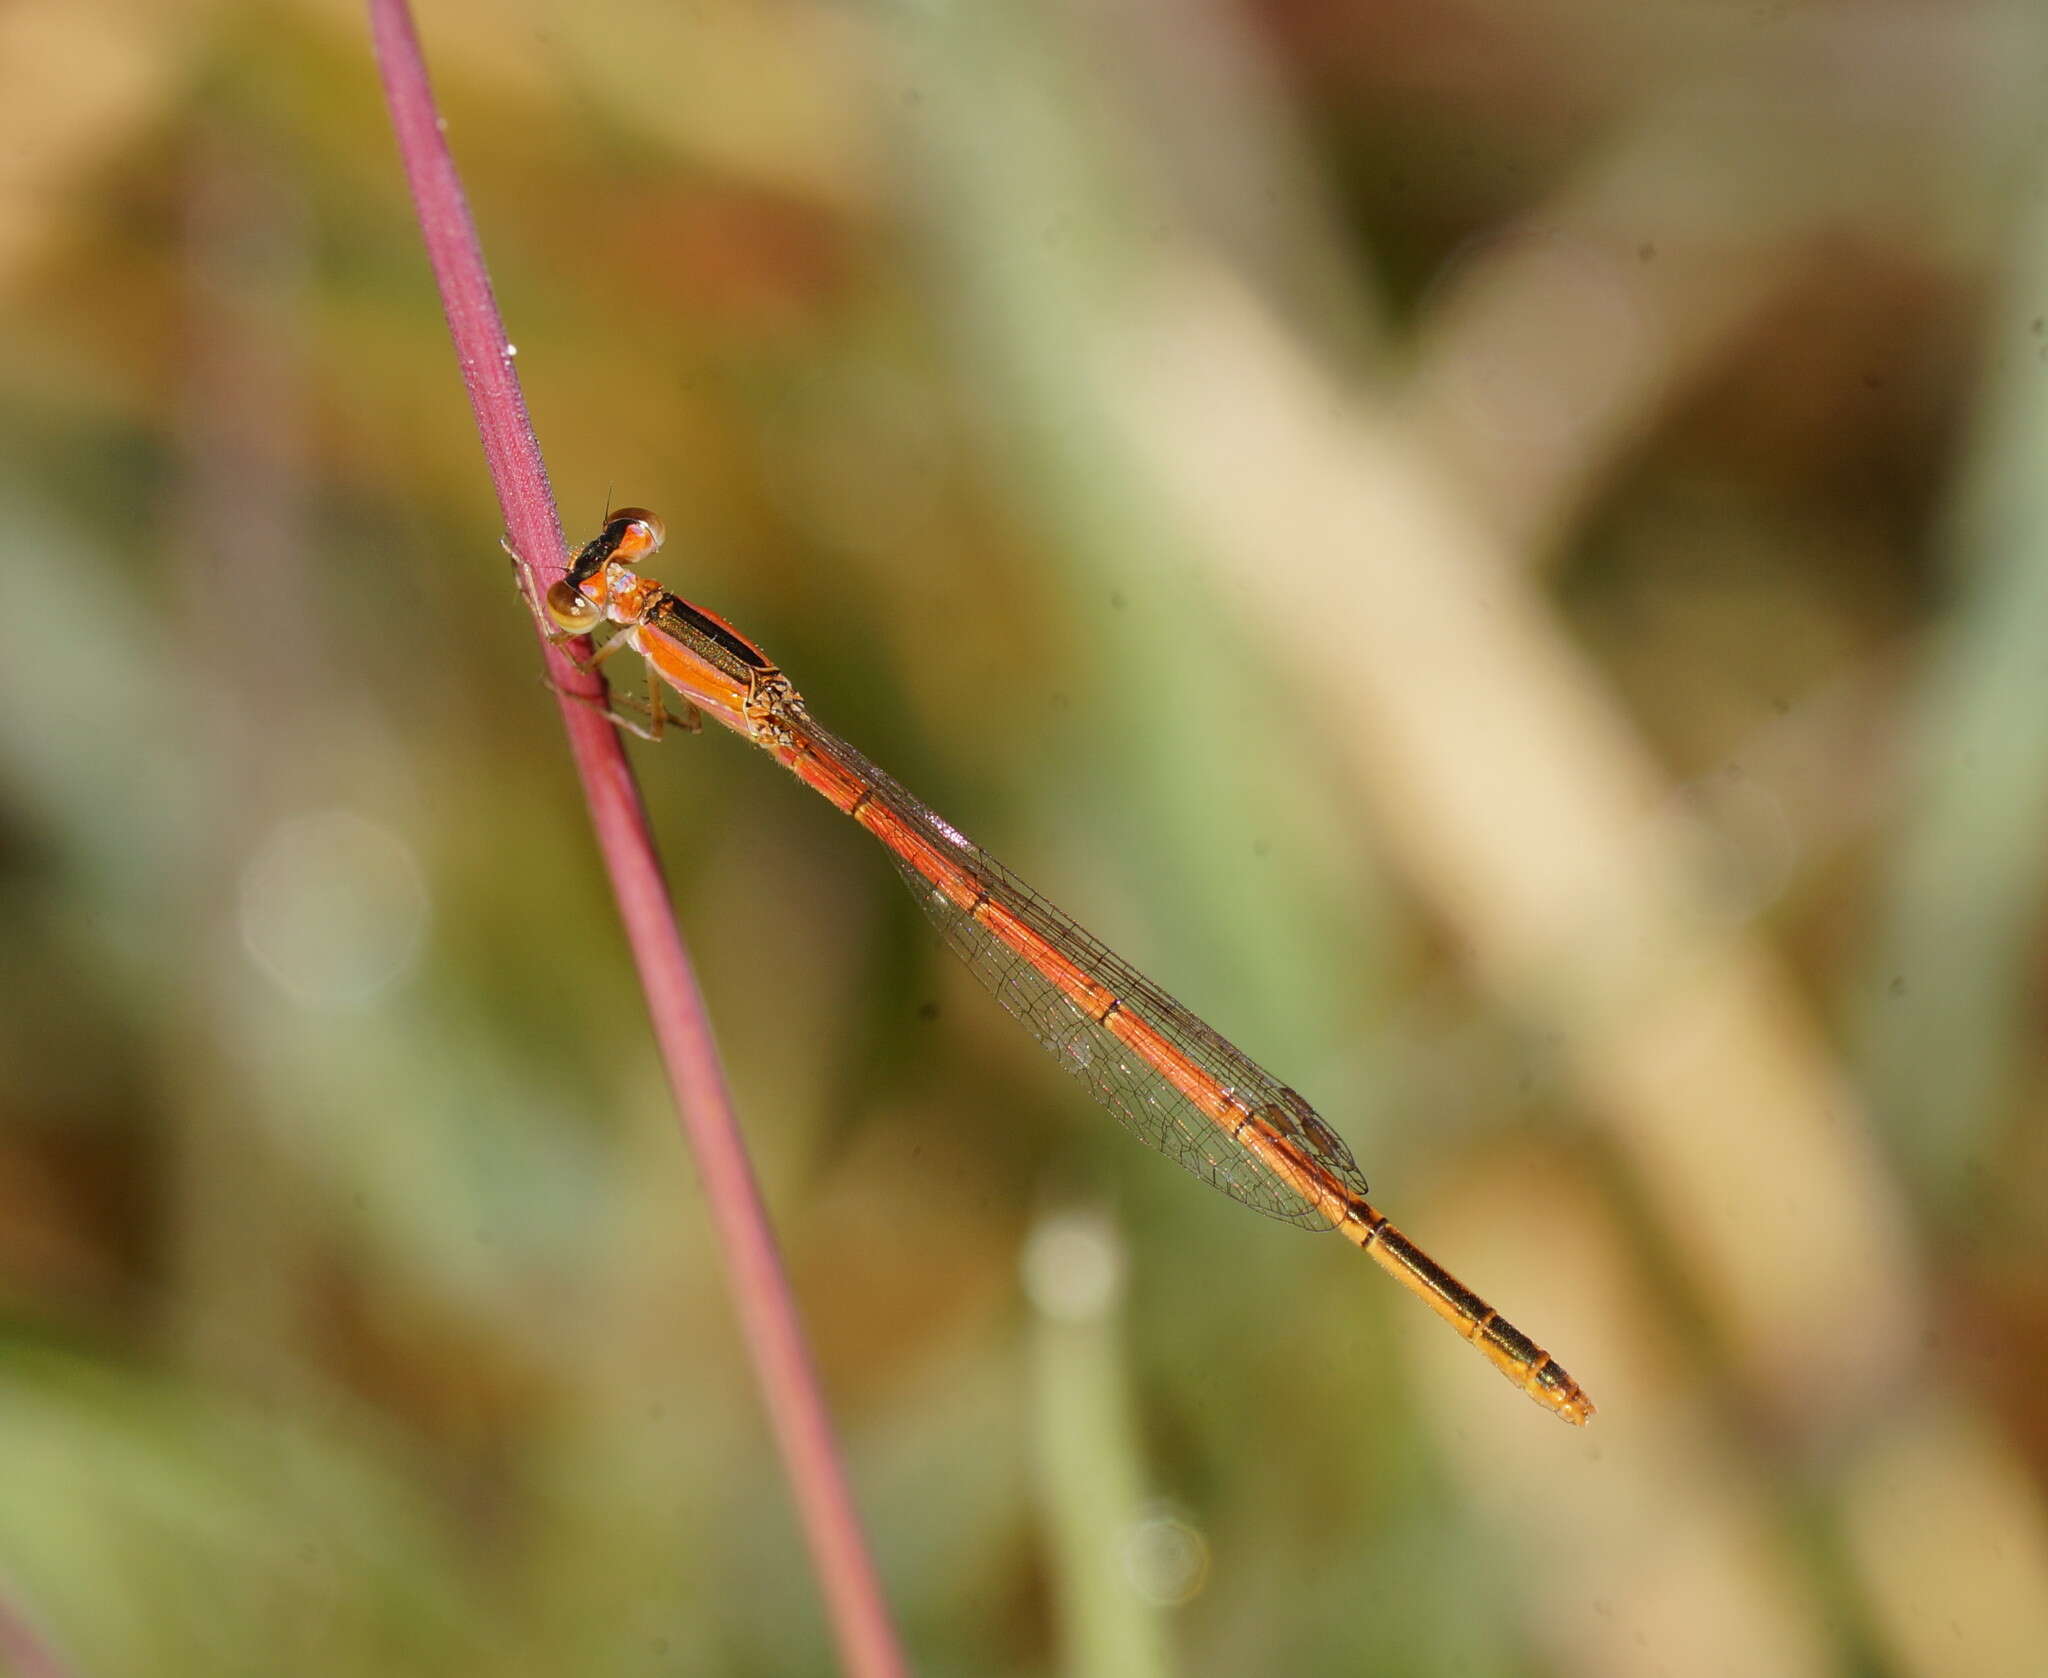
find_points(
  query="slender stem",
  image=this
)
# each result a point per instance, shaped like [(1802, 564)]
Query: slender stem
[(22, 1648), (682, 1028)]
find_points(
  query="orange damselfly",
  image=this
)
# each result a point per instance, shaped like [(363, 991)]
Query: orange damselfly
[(1171, 1078)]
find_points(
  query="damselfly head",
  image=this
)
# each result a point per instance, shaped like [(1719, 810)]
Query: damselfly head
[(572, 609), (640, 533)]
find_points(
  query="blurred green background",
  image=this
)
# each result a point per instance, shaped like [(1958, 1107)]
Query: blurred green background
[(1498, 550)]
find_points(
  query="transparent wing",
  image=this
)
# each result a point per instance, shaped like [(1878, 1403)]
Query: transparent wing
[(1141, 1097)]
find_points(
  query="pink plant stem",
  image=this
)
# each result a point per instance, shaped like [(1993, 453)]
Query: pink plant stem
[(22, 1649), (682, 1028)]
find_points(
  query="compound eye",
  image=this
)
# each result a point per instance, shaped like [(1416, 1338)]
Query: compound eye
[(573, 610), (644, 533)]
